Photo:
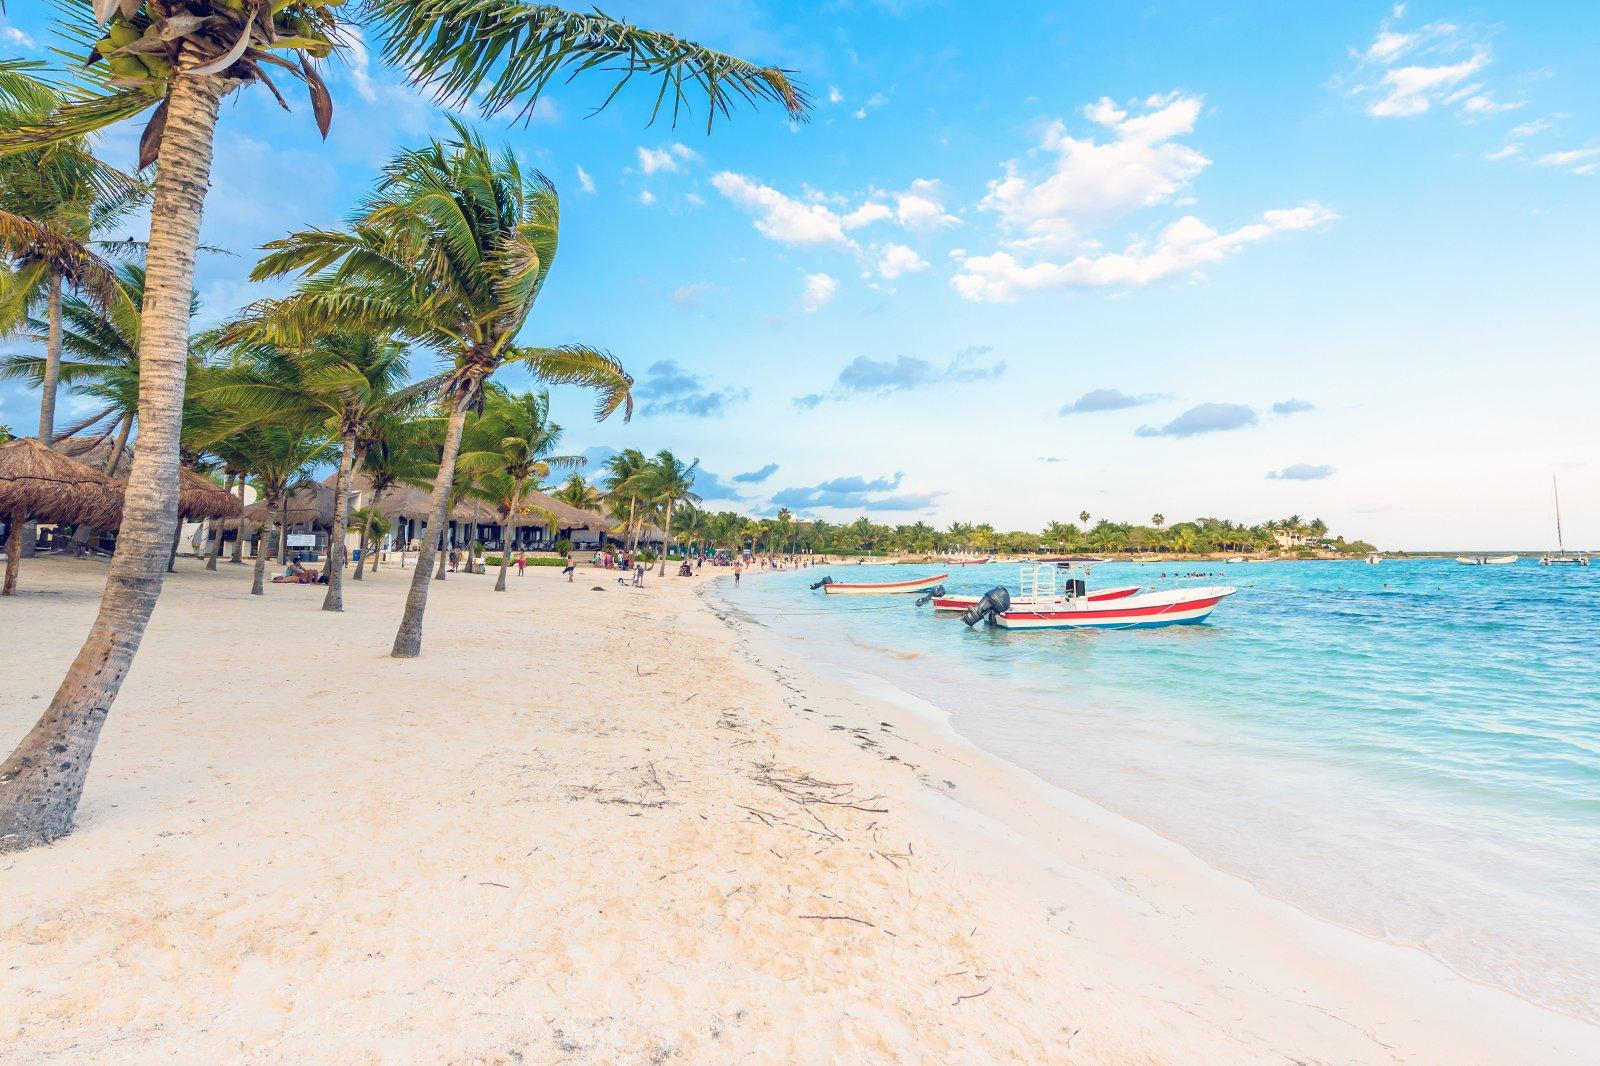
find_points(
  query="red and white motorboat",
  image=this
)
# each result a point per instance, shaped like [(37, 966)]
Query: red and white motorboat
[(1177, 607), (880, 588), (1045, 605), (961, 603)]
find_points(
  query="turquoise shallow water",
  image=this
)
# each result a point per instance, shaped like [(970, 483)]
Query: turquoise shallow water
[(1410, 749)]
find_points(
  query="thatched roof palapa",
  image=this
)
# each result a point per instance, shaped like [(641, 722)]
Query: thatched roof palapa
[(43, 485), (199, 497)]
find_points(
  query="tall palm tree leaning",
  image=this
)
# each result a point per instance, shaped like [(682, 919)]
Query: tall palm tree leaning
[(450, 251), (671, 483), (181, 57)]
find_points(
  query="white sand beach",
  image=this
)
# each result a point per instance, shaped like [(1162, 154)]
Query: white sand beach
[(613, 826)]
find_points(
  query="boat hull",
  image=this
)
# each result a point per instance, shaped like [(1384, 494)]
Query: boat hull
[(883, 588), (1150, 611), (961, 603)]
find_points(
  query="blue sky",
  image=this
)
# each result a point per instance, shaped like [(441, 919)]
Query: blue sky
[(1028, 260)]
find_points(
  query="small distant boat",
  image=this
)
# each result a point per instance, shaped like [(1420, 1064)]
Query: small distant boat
[(969, 562), (1236, 559), (1374, 559), (1561, 558), (878, 588), (1486, 560)]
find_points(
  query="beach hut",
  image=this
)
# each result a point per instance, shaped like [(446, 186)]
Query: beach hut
[(39, 484), (300, 516)]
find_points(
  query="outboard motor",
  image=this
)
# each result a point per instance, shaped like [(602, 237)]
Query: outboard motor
[(815, 585), (996, 601), (927, 597)]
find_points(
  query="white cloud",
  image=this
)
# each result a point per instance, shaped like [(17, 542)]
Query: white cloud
[(665, 158), (585, 182), (646, 197), (1503, 152), (875, 101), (1090, 182), (1413, 90), (687, 297), (359, 64), (821, 218), (819, 290), (1184, 246), (922, 205), (780, 217), (898, 259), (12, 35), (1388, 46), (834, 95), (1578, 160), (1531, 129)]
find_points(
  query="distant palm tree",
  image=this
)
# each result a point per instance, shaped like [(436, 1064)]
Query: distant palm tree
[(626, 476), (510, 445), (671, 482), (349, 380), (579, 493)]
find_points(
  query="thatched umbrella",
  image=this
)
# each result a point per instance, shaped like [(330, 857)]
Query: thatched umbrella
[(200, 498), (40, 484)]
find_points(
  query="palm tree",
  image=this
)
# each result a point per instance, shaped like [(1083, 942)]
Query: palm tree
[(451, 252), (511, 443), (579, 493), (494, 53), (1083, 518), (626, 476), (371, 527), (395, 452), (54, 198), (280, 454), (671, 482), (350, 380)]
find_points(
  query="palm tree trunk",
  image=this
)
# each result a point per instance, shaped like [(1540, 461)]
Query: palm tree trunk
[(666, 539), (237, 558), (444, 551), (632, 538), (505, 542), (334, 600), (42, 780), (48, 389), (177, 538), (408, 638), (283, 528), (373, 545), (13, 555), (361, 547), (215, 527), (258, 585)]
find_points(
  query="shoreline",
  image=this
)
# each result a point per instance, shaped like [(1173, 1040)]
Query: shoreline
[(995, 815), (590, 825)]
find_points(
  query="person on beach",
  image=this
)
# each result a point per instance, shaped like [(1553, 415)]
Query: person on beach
[(572, 566), (738, 569), (522, 563), (638, 575)]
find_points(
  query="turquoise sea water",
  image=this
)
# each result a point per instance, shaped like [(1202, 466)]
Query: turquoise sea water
[(1410, 749)]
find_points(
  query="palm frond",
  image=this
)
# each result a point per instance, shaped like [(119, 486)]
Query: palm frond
[(502, 53), (579, 364)]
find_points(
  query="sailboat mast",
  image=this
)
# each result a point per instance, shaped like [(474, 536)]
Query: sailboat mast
[(1561, 544)]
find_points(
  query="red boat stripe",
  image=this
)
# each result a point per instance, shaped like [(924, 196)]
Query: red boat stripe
[(1127, 612)]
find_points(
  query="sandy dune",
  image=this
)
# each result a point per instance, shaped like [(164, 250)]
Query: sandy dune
[(610, 826)]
